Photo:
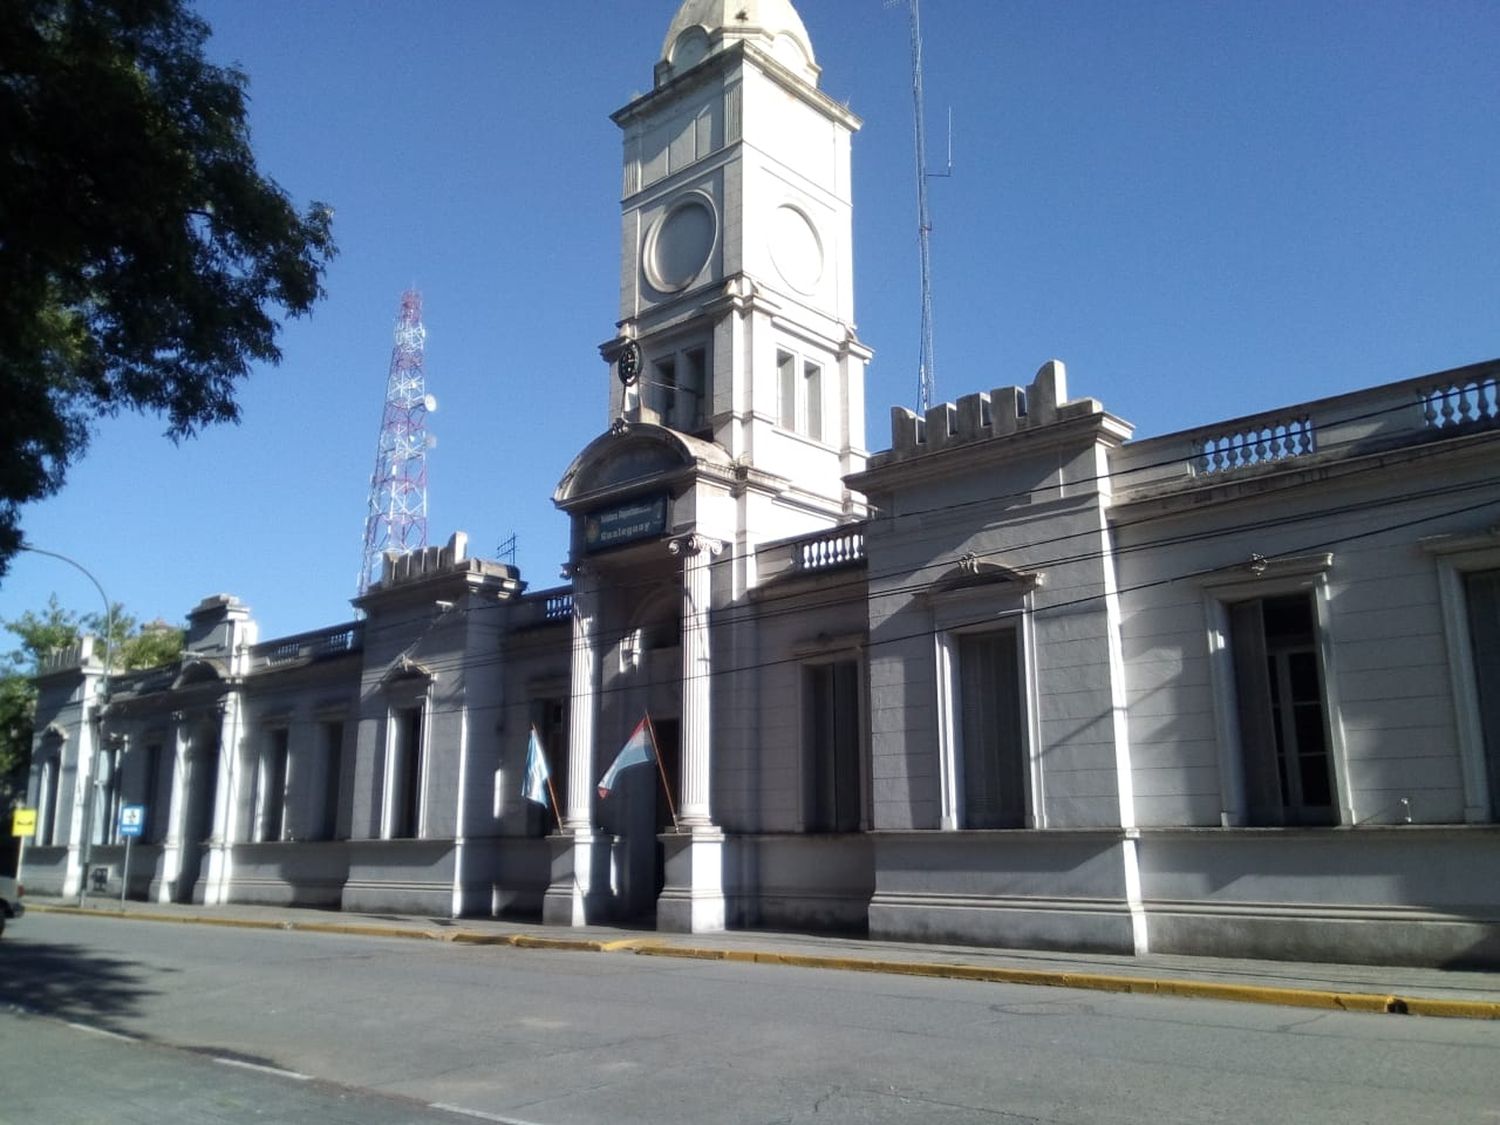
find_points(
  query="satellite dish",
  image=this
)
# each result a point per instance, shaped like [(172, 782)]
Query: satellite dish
[(430, 440), (430, 402)]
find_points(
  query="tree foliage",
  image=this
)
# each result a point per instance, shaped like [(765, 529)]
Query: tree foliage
[(144, 258), (132, 645)]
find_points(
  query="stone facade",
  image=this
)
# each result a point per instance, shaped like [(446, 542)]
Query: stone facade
[(1017, 679)]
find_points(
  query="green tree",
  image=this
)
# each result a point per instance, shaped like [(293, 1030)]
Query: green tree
[(144, 258), (132, 646)]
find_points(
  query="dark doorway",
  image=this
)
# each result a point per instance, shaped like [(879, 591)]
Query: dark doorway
[(198, 817)]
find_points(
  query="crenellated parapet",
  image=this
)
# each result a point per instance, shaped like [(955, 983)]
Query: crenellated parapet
[(450, 560), (83, 655), (982, 417)]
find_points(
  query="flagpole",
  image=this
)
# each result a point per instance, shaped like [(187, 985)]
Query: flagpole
[(556, 811), (547, 775), (661, 771)]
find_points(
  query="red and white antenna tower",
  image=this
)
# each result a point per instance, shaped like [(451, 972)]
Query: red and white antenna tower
[(397, 519)]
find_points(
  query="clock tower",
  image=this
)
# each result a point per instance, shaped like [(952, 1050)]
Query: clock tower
[(736, 411), (736, 321)]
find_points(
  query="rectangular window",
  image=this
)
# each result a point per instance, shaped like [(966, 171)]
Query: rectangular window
[(271, 822), (1283, 718), (665, 380), (676, 388), (48, 798), (786, 384), (405, 775), (331, 734), (1482, 600), (107, 808), (153, 797), (812, 393), (693, 387), (831, 737), (991, 730)]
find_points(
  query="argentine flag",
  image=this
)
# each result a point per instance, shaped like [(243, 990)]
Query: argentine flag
[(536, 771), (639, 748)]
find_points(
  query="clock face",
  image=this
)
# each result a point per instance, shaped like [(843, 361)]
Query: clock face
[(628, 363)]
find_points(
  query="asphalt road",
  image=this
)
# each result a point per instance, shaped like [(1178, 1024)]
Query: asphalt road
[(381, 1030)]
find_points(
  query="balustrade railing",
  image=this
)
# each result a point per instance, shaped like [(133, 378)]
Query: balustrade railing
[(831, 549), (1462, 402), (1257, 444), (1427, 408), (305, 647), (810, 554)]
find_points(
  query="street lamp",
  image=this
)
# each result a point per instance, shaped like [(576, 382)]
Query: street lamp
[(103, 694)]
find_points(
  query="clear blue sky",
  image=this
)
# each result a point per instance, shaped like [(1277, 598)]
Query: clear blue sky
[(1205, 208)]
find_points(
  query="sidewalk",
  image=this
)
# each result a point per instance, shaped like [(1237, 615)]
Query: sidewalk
[(1364, 988)]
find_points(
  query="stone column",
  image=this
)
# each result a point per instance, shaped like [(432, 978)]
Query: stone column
[(577, 892), (171, 852), (583, 702), (697, 553), (219, 869), (692, 901)]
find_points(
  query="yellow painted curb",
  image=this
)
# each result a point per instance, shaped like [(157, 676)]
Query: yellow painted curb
[(1102, 982), (363, 929)]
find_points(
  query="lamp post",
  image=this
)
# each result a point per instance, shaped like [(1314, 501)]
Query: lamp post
[(103, 697)]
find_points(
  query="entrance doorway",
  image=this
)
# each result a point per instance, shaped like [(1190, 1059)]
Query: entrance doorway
[(202, 784)]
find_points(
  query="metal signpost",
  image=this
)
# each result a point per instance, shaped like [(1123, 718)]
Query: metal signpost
[(132, 824)]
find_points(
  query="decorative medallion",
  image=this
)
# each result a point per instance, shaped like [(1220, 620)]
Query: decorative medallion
[(680, 244)]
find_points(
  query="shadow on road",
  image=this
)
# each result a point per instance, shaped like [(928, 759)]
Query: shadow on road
[(70, 981)]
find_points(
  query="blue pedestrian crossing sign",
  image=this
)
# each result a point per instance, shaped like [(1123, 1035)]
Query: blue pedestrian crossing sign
[(132, 820)]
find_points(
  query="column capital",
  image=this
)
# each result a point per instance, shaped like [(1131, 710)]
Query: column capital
[(695, 544)]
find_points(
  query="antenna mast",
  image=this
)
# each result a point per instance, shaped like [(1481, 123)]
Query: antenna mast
[(397, 519), (926, 366)]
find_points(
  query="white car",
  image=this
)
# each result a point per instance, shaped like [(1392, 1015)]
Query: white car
[(11, 905)]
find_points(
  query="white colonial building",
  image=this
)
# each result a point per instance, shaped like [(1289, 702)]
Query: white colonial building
[(1016, 680)]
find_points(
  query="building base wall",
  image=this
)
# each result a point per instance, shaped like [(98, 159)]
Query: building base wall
[(519, 870), (1018, 890), (799, 882), (1407, 895), (44, 870), (290, 874), (400, 877)]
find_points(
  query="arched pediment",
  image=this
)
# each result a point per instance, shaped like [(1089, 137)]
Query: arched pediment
[(404, 670), (630, 453), (971, 572), (198, 670)]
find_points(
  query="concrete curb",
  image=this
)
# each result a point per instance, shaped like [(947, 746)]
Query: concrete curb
[(1325, 999), (1103, 982)]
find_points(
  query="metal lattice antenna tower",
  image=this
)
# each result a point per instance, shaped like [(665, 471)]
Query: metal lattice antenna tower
[(397, 519), (926, 365)]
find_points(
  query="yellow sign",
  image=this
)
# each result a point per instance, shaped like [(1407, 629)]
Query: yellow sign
[(23, 823)]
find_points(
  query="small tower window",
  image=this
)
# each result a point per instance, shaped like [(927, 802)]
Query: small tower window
[(799, 395), (786, 374), (812, 395), (678, 388)]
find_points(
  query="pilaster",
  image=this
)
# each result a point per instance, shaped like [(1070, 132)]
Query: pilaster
[(583, 704), (697, 553), (218, 868)]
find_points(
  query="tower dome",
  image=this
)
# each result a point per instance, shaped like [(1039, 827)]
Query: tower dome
[(705, 27)]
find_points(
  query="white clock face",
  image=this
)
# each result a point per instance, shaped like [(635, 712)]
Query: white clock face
[(796, 249), (680, 244)]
